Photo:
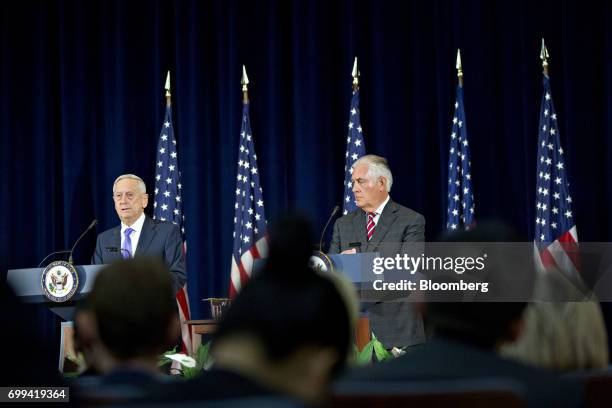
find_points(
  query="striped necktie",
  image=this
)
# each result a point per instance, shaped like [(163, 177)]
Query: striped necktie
[(370, 225)]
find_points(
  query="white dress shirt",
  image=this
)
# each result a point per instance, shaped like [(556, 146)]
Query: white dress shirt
[(379, 211), (135, 235)]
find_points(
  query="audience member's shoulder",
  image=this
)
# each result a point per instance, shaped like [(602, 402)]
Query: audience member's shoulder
[(546, 387), (216, 384), (445, 360)]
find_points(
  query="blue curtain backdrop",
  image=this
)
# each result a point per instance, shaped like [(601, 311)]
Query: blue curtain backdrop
[(81, 101)]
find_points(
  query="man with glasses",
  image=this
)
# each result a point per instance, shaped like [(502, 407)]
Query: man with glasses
[(139, 235)]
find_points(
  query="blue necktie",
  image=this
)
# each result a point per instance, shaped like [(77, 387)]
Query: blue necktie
[(126, 248)]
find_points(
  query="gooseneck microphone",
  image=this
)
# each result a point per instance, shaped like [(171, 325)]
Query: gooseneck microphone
[(334, 211), (93, 224), (63, 251)]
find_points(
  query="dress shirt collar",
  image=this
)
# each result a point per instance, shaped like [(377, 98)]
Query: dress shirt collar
[(381, 207), (137, 226)]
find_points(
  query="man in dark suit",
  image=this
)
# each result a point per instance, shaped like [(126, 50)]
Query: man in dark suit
[(138, 235), (381, 225)]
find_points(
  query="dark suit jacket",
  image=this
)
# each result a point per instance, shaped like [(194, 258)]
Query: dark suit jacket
[(158, 239), (397, 227), (397, 231), (120, 386), (213, 384), (221, 389), (446, 359)]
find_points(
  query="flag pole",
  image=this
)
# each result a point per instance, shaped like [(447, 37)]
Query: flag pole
[(167, 87), (250, 238), (355, 143), (355, 74), (245, 86), (544, 57), (459, 68)]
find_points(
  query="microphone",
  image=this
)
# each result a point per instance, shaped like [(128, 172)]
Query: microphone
[(63, 251), (115, 249), (93, 224), (334, 211)]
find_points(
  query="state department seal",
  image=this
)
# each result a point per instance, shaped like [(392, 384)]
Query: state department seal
[(319, 261), (59, 281)]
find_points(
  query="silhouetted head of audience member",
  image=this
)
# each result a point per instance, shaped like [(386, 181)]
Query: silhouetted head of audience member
[(81, 317), (130, 316), (290, 328), (36, 363), (291, 239), (486, 324)]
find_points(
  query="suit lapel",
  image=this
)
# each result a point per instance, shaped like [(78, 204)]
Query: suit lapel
[(386, 219), (146, 236), (115, 242), (359, 225), (116, 237)]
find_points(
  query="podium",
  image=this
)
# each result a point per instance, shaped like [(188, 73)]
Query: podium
[(352, 266), (27, 287)]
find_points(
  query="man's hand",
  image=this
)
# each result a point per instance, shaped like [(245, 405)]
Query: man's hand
[(349, 251)]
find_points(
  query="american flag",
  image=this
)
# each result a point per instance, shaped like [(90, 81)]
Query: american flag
[(250, 239), (355, 146), (460, 208), (167, 203), (556, 236)]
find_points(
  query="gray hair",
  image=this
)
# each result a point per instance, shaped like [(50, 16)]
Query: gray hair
[(141, 184), (377, 167)]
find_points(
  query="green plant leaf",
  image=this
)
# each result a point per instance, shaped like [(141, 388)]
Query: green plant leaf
[(381, 352), (379, 349), (203, 357), (190, 372), (364, 357), (355, 352)]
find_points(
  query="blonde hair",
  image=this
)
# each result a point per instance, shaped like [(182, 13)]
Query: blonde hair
[(561, 336)]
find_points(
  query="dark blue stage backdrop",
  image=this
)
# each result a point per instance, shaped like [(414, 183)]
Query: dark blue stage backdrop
[(81, 100)]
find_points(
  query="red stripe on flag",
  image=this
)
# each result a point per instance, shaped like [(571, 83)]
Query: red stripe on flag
[(569, 245), (244, 276), (181, 299), (183, 302), (547, 259), (187, 340)]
